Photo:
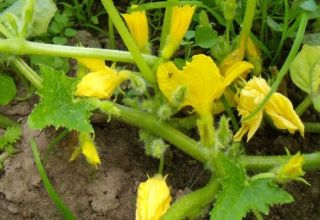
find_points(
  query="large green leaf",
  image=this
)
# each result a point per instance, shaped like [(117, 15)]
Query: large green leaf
[(305, 72), (44, 11), (7, 89), (240, 195), (57, 106)]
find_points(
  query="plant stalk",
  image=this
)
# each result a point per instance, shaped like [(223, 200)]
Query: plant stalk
[(191, 147), (128, 40), (23, 47), (187, 205), (304, 105), (284, 69)]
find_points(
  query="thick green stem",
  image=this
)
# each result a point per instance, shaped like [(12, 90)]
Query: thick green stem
[(294, 50), (312, 127), (304, 105), (189, 204), (112, 41), (265, 163), (23, 47), (155, 126), (149, 122), (166, 23), (128, 40), (32, 76), (247, 23)]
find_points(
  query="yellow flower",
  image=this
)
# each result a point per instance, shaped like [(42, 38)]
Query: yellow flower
[(102, 81), (88, 149), (180, 21), (292, 169), (278, 107), (204, 84), (202, 80), (138, 26), (153, 199)]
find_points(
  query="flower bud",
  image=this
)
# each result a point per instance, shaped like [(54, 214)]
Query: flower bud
[(292, 169), (153, 199)]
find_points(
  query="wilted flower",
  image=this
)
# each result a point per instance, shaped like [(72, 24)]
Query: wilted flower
[(292, 169), (153, 199), (138, 25), (102, 81), (87, 148), (180, 21), (278, 108)]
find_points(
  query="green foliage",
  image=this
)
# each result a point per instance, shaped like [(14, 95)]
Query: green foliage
[(60, 28), (54, 62), (9, 138), (305, 72), (37, 19), (239, 195), (223, 134), (7, 89), (57, 106), (205, 36)]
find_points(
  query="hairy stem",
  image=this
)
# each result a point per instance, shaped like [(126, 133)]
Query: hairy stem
[(23, 47), (247, 24), (187, 205), (264, 163), (189, 146), (29, 73)]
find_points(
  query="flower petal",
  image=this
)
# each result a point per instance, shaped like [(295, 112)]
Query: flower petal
[(204, 83), (138, 25), (169, 79), (91, 153), (250, 97), (180, 21), (153, 199), (96, 84), (93, 65), (237, 69), (281, 111)]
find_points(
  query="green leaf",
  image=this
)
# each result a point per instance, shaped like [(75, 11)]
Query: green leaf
[(54, 62), (57, 106), (59, 40), (305, 72), (274, 25), (43, 13), (11, 136), (312, 39), (69, 32), (205, 36), (309, 5), (240, 195), (7, 89)]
